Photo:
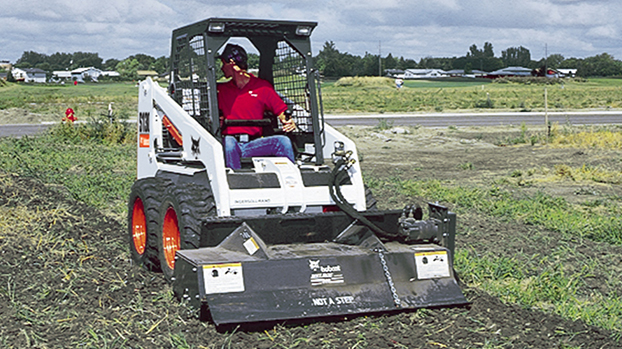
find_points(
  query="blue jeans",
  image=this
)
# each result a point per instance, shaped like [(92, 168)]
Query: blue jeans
[(265, 146)]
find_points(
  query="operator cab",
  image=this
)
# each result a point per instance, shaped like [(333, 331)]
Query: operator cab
[(285, 61)]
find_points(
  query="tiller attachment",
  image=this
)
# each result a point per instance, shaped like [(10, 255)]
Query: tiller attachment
[(245, 280)]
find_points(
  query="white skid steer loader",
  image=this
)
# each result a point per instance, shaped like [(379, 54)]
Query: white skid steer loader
[(275, 239)]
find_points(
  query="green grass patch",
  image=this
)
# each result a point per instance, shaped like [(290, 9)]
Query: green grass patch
[(434, 96), (544, 280), (553, 213), (543, 283), (93, 171), (85, 99)]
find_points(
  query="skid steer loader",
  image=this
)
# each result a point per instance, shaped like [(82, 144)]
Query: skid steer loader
[(273, 240)]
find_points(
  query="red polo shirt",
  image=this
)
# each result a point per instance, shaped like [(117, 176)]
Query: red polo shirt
[(248, 103)]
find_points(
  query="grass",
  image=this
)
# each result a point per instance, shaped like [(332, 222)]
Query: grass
[(347, 95), (357, 95), (542, 280), (87, 100), (554, 277), (552, 213), (93, 171)]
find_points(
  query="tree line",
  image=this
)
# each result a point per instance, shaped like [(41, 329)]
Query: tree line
[(127, 67), (333, 63)]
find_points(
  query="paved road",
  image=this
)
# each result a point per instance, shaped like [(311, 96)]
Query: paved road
[(480, 119), (23, 129), (426, 120)]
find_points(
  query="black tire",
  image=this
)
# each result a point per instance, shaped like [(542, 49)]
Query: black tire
[(370, 201), (181, 214), (143, 204)]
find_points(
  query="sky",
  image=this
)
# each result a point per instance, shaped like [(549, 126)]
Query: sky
[(405, 28)]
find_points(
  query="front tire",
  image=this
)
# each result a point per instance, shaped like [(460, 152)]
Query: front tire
[(182, 212)]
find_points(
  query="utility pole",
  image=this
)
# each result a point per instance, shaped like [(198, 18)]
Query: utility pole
[(546, 97), (379, 58), (546, 59)]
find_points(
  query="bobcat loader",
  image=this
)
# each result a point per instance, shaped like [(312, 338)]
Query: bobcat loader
[(273, 240)]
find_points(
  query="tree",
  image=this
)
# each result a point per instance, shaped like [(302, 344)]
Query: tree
[(488, 52), (333, 63), (60, 61), (404, 64), (86, 59), (389, 62), (554, 60), (474, 52), (481, 59), (10, 77), (370, 65), (516, 56), (468, 69), (128, 68), (111, 64), (600, 65), (30, 59), (436, 63)]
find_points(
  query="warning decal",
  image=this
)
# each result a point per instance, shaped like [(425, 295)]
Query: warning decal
[(143, 140), (223, 278), (251, 246), (432, 265)]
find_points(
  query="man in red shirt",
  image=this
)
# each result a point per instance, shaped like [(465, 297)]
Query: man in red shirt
[(246, 97)]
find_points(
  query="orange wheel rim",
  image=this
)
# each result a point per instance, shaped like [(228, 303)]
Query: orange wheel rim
[(139, 226), (170, 237)]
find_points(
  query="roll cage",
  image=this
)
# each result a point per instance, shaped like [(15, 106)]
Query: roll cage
[(285, 60)]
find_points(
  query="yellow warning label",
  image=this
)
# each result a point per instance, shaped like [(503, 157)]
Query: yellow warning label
[(221, 265), (430, 253), (432, 265), (223, 278)]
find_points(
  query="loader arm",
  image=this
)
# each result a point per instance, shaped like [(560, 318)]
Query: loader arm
[(198, 151)]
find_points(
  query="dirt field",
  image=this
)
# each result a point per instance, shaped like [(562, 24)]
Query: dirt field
[(67, 280)]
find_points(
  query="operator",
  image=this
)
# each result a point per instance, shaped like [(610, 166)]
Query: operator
[(246, 97)]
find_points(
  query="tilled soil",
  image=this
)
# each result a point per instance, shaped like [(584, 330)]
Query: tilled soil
[(67, 280)]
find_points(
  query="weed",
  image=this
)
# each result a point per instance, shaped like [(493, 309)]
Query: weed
[(383, 124), (466, 166)]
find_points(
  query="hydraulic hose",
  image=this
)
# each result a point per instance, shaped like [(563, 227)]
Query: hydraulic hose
[(337, 175)]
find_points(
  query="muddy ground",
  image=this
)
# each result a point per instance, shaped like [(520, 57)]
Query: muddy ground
[(66, 279)]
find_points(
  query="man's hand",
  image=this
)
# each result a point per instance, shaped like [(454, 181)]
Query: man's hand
[(288, 124)]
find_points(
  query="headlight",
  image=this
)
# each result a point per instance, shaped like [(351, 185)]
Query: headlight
[(303, 30), (216, 27)]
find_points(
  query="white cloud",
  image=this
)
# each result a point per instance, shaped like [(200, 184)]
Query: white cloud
[(409, 28)]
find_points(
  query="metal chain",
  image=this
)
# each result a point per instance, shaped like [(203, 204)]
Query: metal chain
[(387, 274)]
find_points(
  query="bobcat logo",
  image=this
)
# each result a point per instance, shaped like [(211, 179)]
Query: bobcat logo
[(195, 147), (314, 265)]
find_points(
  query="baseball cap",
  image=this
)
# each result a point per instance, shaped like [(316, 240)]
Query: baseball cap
[(236, 53)]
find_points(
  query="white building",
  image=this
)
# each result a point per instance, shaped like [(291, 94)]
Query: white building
[(111, 73), (568, 72), (60, 75), (85, 74), (424, 73), (511, 71), (29, 75), (5, 64)]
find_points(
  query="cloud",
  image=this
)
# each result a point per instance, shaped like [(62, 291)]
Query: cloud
[(408, 28)]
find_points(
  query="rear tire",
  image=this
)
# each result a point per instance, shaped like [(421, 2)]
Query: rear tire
[(143, 204), (181, 215)]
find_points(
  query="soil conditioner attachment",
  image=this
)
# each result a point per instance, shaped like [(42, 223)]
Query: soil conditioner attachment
[(273, 240)]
